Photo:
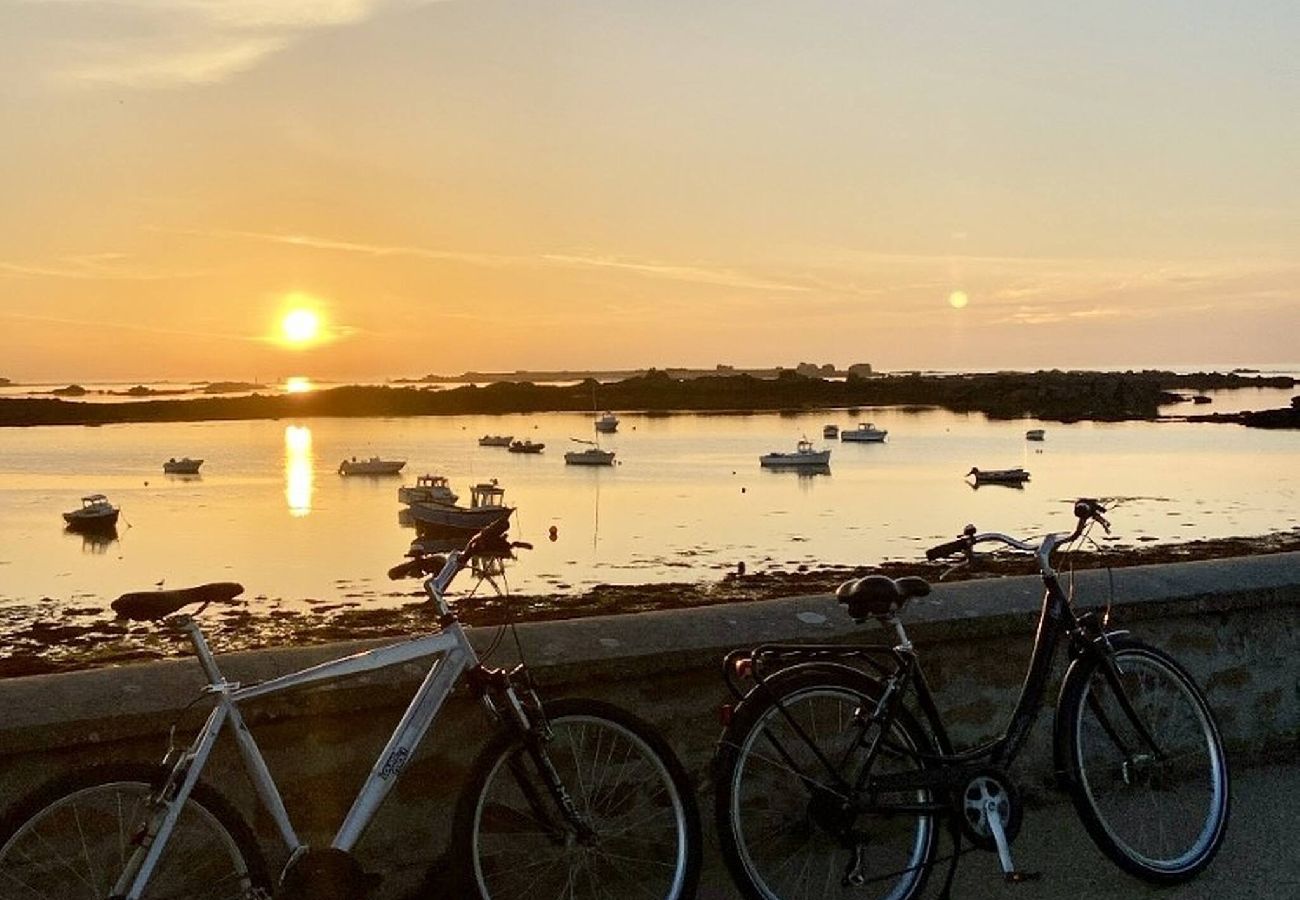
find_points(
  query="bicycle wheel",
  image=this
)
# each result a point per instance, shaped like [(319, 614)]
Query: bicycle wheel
[(70, 841), (788, 827), (1155, 803), (623, 782)]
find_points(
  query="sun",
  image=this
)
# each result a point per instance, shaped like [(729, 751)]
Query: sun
[(958, 299), (300, 327)]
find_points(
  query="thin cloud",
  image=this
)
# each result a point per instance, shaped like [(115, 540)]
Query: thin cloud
[(93, 267), (724, 277)]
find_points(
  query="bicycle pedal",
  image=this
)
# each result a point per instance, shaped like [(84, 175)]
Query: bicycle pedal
[(1021, 877)]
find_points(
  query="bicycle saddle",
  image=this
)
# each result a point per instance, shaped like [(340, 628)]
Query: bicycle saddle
[(149, 606), (879, 595)]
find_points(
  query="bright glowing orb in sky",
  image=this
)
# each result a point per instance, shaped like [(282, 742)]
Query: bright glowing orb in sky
[(300, 327), (958, 300)]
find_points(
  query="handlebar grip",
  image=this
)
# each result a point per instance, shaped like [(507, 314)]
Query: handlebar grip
[(947, 549)]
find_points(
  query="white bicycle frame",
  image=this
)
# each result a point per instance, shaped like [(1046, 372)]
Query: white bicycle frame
[(453, 656)]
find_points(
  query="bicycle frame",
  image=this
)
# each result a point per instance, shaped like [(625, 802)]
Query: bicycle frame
[(454, 655)]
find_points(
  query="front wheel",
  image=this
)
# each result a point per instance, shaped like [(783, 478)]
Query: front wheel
[(72, 839), (1145, 762), (631, 826)]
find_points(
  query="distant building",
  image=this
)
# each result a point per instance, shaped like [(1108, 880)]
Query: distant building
[(861, 370)]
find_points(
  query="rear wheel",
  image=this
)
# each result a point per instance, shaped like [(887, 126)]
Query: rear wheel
[(71, 840), (639, 832), (1148, 774), (788, 826)]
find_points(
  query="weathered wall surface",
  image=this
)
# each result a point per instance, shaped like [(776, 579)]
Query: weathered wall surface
[(1233, 623)]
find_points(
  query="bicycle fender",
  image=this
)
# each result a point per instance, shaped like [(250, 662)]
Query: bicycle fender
[(1083, 660)]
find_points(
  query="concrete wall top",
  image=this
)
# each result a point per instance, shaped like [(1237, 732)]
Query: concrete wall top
[(109, 704)]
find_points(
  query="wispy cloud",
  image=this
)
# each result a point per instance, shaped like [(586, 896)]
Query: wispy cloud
[(92, 267), (695, 274), (171, 43)]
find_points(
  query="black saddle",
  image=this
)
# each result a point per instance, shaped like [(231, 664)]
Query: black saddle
[(149, 606), (879, 595)]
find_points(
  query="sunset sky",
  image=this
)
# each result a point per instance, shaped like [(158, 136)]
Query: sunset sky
[(589, 184)]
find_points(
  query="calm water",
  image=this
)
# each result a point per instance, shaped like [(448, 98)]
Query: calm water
[(687, 502)]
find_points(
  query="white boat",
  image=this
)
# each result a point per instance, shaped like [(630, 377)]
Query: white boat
[(495, 440), (804, 456), (607, 424), (372, 466), (865, 433), (182, 466), (526, 447), (830, 431), (1035, 434), (96, 513), (590, 456), (487, 505), (428, 489), (1014, 476)]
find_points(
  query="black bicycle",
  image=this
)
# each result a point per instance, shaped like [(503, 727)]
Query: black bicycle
[(835, 770)]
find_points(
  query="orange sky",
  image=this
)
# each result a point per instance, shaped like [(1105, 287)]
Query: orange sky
[(490, 185)]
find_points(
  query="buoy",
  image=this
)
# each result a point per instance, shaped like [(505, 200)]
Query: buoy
[(740, 567), (553, 533)]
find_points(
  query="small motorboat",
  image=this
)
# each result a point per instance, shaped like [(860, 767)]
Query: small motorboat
[(865, 433), (607, 424), (1035, 434), (182, 466), (95, 514), (487, 505), (830, 431), (495, 440), (372, 466), (804, 456), (1016, 476), (525, 447), (428, 489)]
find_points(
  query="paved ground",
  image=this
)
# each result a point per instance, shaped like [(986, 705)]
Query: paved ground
[(1260, 857)]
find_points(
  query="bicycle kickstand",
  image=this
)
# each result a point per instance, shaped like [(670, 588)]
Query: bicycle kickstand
[(1009, 872)]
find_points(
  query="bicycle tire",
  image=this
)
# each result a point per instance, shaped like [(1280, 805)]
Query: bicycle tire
[(70, 839), (1117, 783), (756, 786), (505, 850)]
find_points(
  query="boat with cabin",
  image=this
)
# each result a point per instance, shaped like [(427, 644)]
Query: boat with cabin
[(95, 514), (428, 488), (525, 446), (1035, 434), (804, 456), (591, 455), (487, 505), (495, 440), (182, 466), (607, 423), (372, 466), (830, 432), (865, 433)]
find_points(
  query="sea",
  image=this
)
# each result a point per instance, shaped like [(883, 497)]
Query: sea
[(686, 501)]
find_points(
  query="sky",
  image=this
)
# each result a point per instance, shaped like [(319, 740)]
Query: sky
[(601, 184)]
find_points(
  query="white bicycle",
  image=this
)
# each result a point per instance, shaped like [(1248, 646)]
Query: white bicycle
[(572, 798)]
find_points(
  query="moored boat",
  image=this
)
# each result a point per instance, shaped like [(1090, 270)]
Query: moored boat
[(1035, 434), (487, 505), (589, 456), (525, 447), (803, 456), (182, 466), (495, 440), (830, 431), (1016, 476), (865, 433), (372, 466), (95, 514), (607, 424), (428, 489)]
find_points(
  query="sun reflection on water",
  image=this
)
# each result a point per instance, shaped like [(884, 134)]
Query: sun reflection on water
[(298, 469), (298, 384)]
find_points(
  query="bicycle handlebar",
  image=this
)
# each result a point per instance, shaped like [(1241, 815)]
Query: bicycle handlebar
[(1085, 510)]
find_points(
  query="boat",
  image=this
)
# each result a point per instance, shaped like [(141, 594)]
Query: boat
[(182, 466), (804, 456), (372, 466), (590, 456), (1035, 434), (1200, 398), (525, 447), (487, 505), (830, 431), (428, 489), (999, 476), (607, 424), (495, 440), (95, 514), (865, 433)]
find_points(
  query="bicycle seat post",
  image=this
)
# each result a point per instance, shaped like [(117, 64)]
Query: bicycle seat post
[(904, 642)]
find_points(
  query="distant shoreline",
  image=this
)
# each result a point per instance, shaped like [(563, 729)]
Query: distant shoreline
[(1045, 395)]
